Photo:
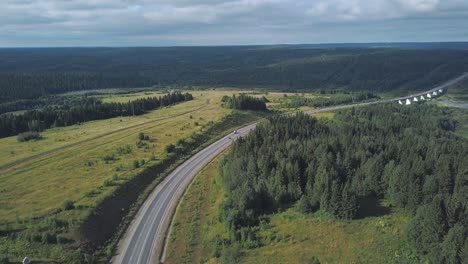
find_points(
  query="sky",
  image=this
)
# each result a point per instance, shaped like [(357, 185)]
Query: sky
[(42, 23)]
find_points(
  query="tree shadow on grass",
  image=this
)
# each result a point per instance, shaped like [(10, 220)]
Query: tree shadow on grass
[(371, 206)]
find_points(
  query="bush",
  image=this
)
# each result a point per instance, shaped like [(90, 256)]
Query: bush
[(136, 164), (142, 162), (142, 136), (170, 148), (68, 205), (303, 205), (108, 157), (314, 260), (106, 183), (141, 144), (180, 142), (119, 167), (127, 149), (27, 136), (231, 254)]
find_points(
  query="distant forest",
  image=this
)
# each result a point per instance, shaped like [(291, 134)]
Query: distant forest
[(406, 155), (30, 73)]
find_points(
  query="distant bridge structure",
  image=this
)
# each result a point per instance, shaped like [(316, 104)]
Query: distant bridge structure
[(430, 94)]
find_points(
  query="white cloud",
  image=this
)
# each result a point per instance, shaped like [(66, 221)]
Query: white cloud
[(129, 21)]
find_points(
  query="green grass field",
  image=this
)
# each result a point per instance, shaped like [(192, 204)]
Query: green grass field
[(73, 161), (198, 236)]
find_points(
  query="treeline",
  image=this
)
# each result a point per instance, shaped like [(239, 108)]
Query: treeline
[(406, 155), (27, 104), (30, 73), (78, 109), (332, 99), (244, 102)]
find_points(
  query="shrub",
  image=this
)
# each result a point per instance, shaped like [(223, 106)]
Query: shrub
[(314, 260), (127, 149), (152, 157), (136, 164), (68, 205), (27, 136), (141, 144), (231, 254), (170, 148), (115, 177), (304, 206), (180, 142), (142, 136), (106, 183), (108, 157), (142, 162), (91, 193)]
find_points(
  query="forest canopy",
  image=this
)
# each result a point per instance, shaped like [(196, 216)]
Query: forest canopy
[(30, 73), (406, 155)]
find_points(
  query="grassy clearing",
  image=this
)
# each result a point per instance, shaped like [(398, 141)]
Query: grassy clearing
[(461, 116), (328, 115), (86, 172), (190, 233), (292, 237), (198, 236)]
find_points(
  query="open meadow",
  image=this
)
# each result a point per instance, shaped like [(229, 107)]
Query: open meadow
[(71, 162)]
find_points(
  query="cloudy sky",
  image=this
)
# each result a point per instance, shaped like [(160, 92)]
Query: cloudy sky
[(29, 23)]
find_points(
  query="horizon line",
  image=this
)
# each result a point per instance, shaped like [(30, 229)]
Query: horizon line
[(241, 45)]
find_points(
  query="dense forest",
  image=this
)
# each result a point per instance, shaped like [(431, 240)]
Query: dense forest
[(30, 73), (75, 109), (406, 155), (244, 102)]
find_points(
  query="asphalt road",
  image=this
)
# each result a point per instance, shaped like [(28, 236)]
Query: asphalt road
[(144, 240)]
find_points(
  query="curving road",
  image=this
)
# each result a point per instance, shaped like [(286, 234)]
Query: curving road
[(144, 240)]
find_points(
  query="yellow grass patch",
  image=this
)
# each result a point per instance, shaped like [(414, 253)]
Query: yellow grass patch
[(69, 161)]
